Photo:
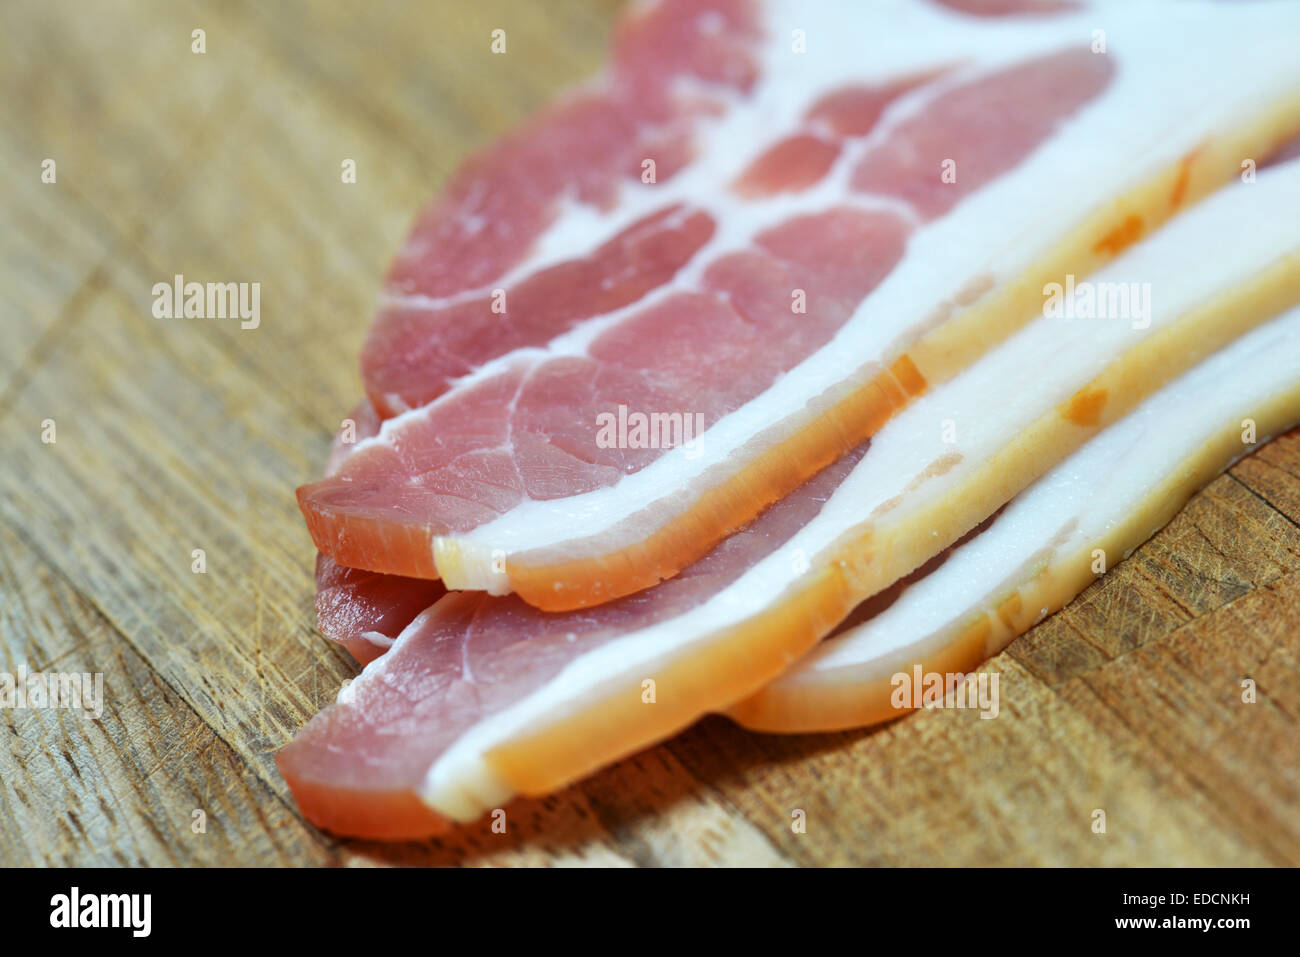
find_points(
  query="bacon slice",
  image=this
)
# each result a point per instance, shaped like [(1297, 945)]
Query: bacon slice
[(483, 698), (497, 479), (1050, 543), (366, 611)]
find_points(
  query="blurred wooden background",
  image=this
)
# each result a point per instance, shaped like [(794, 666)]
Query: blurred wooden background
[(188, 434)]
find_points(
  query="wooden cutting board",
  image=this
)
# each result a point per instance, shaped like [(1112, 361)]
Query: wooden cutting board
[(184, 435)]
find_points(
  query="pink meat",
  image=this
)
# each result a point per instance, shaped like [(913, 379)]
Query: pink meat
[(366, 611), (672, 65), (985, 127), (471, 655), (855, 110), (527, 431), (803, 158), (417, 351), (793, 164), (365, 424)]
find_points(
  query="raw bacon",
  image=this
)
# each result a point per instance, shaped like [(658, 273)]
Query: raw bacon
[(1050, 543), (673, 64), (687, 301), (366, 611), (355, 768), (483, 698)]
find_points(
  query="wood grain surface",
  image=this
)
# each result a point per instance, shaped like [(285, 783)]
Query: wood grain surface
[(176, 435)]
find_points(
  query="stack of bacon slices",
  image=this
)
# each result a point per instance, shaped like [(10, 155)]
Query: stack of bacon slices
[(812, 343)]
